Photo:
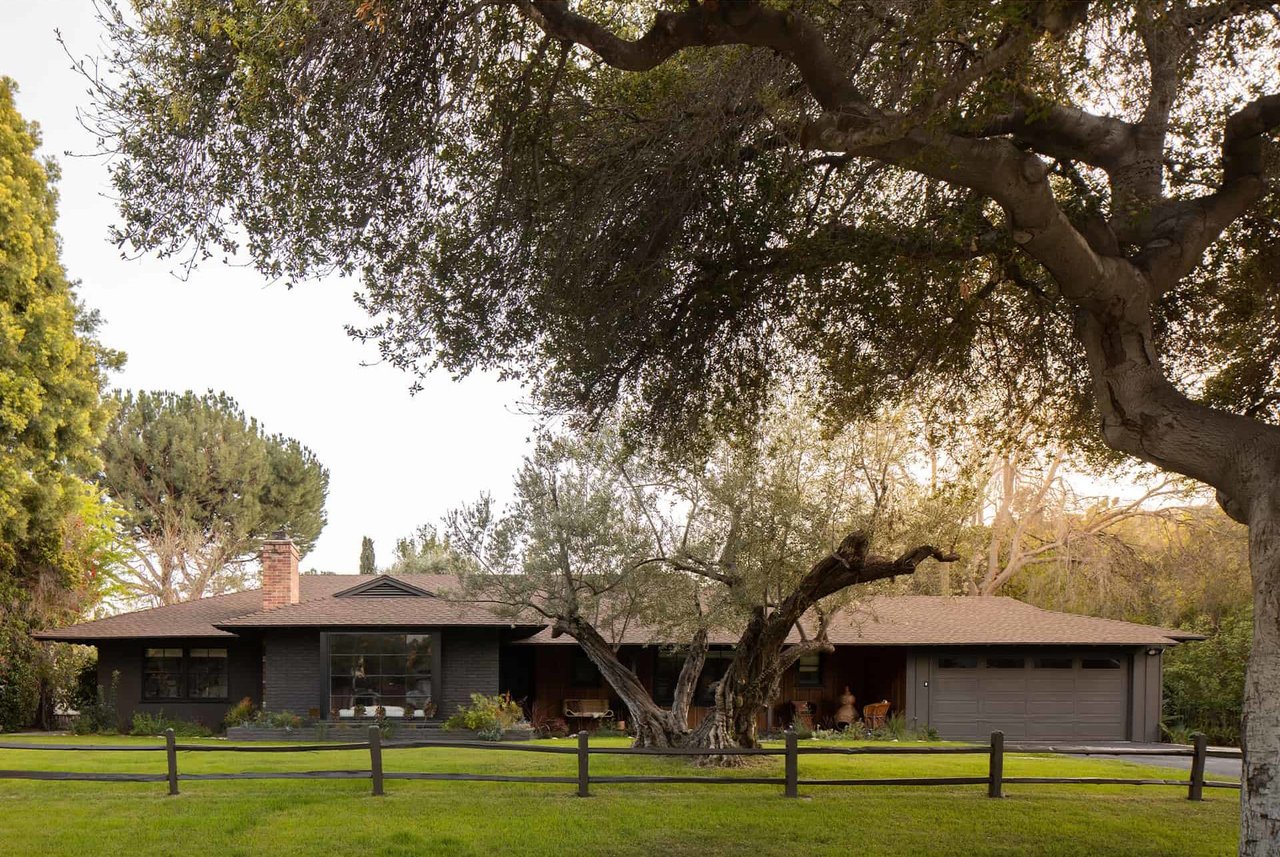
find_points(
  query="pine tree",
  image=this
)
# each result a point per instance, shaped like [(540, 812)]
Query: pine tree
[(368, 565)]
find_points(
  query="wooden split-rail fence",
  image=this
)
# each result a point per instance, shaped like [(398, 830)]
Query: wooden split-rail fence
[(791, 751)]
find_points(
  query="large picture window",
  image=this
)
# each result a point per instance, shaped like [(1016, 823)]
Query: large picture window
[(395, 671), (176, 673)]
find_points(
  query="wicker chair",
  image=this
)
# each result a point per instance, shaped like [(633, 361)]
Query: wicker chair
[(874, 714)]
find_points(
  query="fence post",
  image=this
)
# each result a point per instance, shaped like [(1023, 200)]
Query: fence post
[(171, 751), (995, 771), (792, 764), (584, 765), (1195, 789), (375, 759)]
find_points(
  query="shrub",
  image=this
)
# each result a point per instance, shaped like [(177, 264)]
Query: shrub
[(278, 719), (101, 715), (486, 713), (1204, 680), (239, 714), (156, 724), (550, 727), (490, 733), (19, 688)]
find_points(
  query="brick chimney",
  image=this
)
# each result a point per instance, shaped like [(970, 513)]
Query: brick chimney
[(279, 571)]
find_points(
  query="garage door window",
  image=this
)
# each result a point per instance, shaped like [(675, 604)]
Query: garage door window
[(1006, 663), (1054, 663), (957, 663), (1100, 663)]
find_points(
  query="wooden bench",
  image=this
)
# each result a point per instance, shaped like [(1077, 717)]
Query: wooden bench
[(593, 709)]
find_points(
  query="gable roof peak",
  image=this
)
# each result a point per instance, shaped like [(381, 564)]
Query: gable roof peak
[(383, 586)]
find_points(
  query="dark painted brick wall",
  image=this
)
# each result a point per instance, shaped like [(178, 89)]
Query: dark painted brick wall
[(470, 665), (244, 666), (291, 668)]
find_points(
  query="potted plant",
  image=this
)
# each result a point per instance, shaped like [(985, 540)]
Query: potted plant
[(357, 710), (428, 710)]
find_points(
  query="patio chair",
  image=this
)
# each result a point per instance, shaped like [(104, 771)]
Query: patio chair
[(874, 714)]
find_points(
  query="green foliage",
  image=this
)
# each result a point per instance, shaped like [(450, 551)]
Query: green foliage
[(156, 724), (100, 715), (202, 485), (1204, 681), (618, 269), (426, 552), (278, 719), (489, 715), (368, 565), (54, 528), (239, 714), (19, 689)]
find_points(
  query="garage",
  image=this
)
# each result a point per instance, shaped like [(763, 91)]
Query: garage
[(1047, 696)]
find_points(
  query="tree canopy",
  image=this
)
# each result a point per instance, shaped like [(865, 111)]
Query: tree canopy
[(606, 543), (55, 529), (201, 486), (668, 207)]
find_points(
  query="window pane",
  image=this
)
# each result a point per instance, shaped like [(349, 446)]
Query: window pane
[(1054, 663), (162, 674), (665, 676), (389, 670), (1100, 663), (1006, 663), (585, 673), (809, 671), (957, 663), (207, 674)]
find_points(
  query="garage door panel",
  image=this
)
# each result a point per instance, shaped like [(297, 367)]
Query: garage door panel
[(1034, 703)]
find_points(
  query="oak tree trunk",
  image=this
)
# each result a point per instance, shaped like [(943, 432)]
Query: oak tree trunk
[(1260, 730), (1146, 416)]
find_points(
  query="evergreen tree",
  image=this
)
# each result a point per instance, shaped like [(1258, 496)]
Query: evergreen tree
[(368, 565), (202, 485), (55, 530)]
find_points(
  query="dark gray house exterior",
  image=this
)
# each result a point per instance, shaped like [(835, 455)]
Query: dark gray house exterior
[(337, 647)]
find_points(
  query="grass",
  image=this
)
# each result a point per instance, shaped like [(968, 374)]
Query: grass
[(310, 817)]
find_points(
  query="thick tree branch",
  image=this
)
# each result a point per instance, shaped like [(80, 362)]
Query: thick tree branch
[(1184, 230)]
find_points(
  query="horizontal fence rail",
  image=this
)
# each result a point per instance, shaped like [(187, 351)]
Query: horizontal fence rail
[(791, 751)]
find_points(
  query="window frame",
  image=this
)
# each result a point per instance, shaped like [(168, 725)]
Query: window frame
[(326, 663), (184, 676), (817, 673), (580, 657)]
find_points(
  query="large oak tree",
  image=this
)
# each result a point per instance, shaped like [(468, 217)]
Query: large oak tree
[(672, 204)]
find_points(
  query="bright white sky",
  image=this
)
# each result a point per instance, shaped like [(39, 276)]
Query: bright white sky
[(395, 460)]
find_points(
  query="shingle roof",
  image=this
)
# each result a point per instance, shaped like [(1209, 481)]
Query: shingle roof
[(221, 615), (925, 620), (880, 621)]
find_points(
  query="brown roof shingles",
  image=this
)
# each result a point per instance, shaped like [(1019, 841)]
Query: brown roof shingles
[(925, 620), (880, 621)]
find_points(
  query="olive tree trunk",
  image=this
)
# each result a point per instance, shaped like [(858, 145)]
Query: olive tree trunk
[(761, 655)]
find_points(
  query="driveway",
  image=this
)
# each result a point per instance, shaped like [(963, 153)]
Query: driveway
[(1214, 769)]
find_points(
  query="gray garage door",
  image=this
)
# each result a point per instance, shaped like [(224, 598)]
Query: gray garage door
[(1031, 698)]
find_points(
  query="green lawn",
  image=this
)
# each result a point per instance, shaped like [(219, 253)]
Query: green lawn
[(309, 817)]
